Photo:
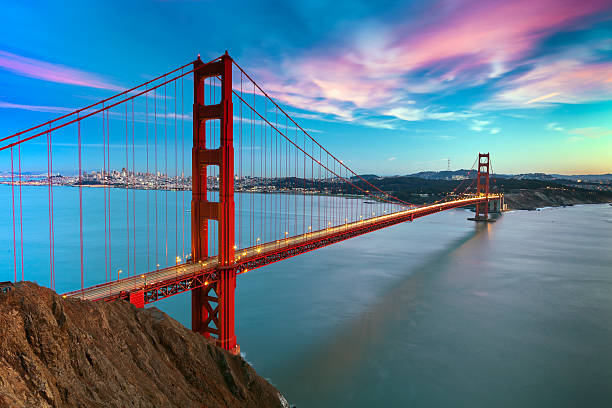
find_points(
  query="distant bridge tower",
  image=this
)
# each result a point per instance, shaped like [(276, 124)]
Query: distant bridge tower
[(482, 186), (212, 305)]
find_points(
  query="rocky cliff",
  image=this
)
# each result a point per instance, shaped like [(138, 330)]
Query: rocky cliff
[(532, 199), (57, 352)]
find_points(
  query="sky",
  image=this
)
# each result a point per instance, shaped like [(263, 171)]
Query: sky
[(391, 87)]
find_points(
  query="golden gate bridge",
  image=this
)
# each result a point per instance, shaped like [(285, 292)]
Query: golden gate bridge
[(294, 196)]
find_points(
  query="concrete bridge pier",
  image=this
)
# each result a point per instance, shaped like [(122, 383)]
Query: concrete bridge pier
[(492, 206), (496, 206)]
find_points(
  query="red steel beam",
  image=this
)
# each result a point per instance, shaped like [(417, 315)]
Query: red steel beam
[(208, 277), (213, 314)]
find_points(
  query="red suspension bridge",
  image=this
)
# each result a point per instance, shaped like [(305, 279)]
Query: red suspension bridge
[(262, 190)]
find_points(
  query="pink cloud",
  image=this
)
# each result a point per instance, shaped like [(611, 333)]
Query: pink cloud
[(376, 68), (139, 117), (562, 81), (46, 71), (488, 32), (34, 108)]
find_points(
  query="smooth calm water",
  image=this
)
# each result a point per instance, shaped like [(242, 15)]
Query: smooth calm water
[(441, 312)]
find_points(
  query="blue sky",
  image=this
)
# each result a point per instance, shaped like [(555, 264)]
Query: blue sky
[(392, 87)]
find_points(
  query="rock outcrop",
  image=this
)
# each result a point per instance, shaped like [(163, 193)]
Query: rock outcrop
[(57, 352), (532, 199)]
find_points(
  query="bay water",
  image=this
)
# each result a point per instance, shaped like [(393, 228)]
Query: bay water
[(441, 312)]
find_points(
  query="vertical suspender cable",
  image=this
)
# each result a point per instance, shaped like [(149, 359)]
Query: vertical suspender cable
[(147, 173), (312, 184), (108, 166), (14, 239), (296, 173), (183, 162), (50, 183), (241, 193), (104, 188), (49, 204), (80, 203), (303, 177), (156, 242), (166, 169), (263, 210), (20, 206), (176, 191), (127, 192), (286, 181), (276, 198), (133, 195), (252, 195)]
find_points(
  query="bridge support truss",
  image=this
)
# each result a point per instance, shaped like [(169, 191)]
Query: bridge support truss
[(212, 305)]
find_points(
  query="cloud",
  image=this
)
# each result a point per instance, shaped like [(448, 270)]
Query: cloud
[(304, 115), (257, 121), (35, 108), (451, 115), (593, 132), (483, 126), (47, 71), (560, 81), (479, 125), (554, 126), (543, 97), (491, 33), (391, 158), (410, 114), (376, 69), (139, 117), (378, 123), (407, 114)]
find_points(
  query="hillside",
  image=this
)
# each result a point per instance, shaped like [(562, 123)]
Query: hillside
[(57, 352), (521, 194), (532, 199)]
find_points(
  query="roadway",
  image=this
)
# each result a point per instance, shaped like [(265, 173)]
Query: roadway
[(113, 289)]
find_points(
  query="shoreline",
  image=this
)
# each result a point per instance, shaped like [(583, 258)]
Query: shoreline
[(555, 207), (527, 199)]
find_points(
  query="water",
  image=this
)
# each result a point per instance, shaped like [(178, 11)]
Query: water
[(436, 313), (161, 236), (441, 312)]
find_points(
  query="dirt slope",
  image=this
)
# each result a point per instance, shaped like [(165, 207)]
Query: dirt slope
[(58, 352)]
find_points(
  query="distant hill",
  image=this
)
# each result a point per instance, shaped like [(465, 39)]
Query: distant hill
[(588, 177), (366, 177), (463, 173), (443, 175)]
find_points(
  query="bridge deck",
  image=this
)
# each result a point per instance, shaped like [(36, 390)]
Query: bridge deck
[(183, 277)]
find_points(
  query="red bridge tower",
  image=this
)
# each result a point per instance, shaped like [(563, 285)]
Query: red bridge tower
[(482, 187), (212, 305)]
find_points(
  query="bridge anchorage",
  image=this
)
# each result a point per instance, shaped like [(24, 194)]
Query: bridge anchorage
[(242, 141)]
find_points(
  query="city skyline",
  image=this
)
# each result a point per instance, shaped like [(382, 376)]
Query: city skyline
[(530, 83)]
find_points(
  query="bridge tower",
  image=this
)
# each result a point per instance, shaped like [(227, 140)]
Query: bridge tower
[(482, 186), (212, 305)]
